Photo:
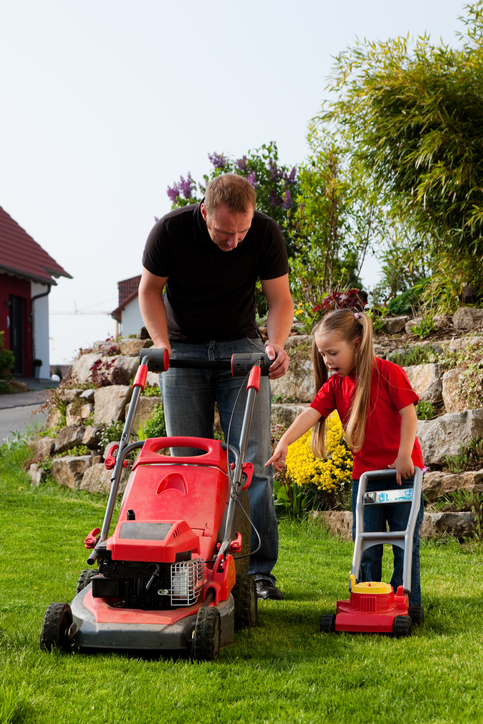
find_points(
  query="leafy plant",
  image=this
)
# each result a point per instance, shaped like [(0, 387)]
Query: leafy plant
[(352, 299), (7, 363), (151, 391), (154, 426), (76, 451), (276, 186), (416, 355), (425, 410), (111, 433), (470, 457), (376, 315), (424, 327), (105, 373), (407, 302)]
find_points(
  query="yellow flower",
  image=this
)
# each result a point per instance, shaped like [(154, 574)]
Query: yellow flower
[(303, 468)]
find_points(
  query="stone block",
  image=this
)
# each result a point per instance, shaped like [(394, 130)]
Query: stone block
[(35, 474), (298, 383), (110, 403), (96, 479), (453, 400), (76, 412), (394, 325), (132, 347), (408, 327), (69, 470), (460, 525), (438, 483), (443, 435), (69, 437), (81, 369), (337, 522), (462, 342), (285, 413), (44, 448), (426, 380), (467, 318), (91, 436), (88, 395)]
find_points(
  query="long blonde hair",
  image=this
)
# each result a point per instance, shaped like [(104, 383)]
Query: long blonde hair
[(349, 327)]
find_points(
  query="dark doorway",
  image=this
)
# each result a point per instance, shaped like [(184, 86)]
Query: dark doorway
[(16, 332)]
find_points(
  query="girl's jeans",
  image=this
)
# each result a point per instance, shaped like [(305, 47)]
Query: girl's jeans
[(189, 397), (396, 516)]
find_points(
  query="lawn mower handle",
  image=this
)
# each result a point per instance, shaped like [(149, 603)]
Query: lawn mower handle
[(240, 363)]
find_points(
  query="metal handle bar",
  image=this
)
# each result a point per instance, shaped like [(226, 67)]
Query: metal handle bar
[(240, 363)]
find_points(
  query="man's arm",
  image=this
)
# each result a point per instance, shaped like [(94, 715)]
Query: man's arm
[(279, 323), (152, 308)]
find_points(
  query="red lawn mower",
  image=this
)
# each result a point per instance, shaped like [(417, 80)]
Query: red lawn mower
[(373, 606), (166, 579)]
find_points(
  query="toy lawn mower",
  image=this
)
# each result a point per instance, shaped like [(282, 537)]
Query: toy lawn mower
[(166, 578), (373, 606)]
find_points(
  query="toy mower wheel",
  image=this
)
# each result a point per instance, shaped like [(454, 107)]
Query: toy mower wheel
[(401, 626), (206, 636), (327, 623), (85, 578), (416, 614), (57, 628), (246, 602)]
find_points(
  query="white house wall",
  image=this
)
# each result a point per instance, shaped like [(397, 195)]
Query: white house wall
[(40, 313), (131, 319)]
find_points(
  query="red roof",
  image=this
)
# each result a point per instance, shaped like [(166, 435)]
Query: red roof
[(128, 290), (21, 256), (127, 287)]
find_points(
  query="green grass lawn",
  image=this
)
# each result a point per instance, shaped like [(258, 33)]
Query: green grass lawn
[(282, 671)]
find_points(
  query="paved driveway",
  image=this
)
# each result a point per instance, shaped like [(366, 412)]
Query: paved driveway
[(19, 411)]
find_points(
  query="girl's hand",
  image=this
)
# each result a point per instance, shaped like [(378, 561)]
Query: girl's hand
[(278, 458), (404, 468)]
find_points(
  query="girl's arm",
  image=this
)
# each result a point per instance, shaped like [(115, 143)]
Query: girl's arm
[(403, 463), (299, 427)]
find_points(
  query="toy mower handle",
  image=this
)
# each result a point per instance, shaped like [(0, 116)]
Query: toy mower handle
[(240, 363)]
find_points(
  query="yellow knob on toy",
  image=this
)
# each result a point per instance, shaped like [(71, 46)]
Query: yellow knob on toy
[(372, 587)]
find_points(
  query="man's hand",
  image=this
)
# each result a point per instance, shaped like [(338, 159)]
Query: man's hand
[(280, 362)]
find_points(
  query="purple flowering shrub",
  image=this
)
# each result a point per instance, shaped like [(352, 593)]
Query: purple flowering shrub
[(276, 186)]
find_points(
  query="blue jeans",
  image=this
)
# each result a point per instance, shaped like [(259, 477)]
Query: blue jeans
[(396, 515), (189, 396)]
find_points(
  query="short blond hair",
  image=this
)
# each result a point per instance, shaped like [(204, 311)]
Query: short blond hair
[(230, 189)]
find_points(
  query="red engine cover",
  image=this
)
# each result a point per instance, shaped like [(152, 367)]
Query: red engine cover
[(168, 491)]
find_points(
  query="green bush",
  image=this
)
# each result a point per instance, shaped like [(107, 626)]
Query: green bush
[(425, 410), (7, 363), (416, 355), (470, 457), (155, 426)]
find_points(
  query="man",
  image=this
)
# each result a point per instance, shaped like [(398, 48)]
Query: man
[(207, 258)]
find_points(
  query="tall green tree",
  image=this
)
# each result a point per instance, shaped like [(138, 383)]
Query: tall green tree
[(413, 115), (339, 220)]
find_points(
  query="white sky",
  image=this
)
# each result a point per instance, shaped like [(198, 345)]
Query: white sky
[(107, 102)]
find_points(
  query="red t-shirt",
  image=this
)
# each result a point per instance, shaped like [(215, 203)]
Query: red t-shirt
[(391, 391)]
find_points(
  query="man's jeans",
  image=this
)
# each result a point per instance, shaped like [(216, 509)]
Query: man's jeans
[(189, 396), (396, 516)]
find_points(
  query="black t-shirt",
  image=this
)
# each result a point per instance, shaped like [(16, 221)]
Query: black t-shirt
[(210, 293)]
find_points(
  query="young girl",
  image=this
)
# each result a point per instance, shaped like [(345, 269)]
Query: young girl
[(375, 402)]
